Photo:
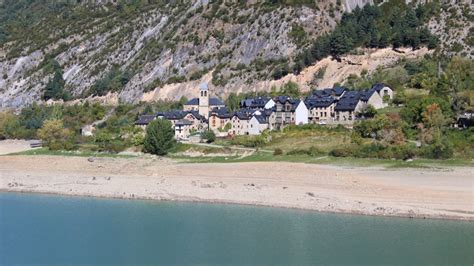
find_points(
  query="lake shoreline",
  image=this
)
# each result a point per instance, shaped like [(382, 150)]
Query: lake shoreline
[(409, 193), (237, 203)]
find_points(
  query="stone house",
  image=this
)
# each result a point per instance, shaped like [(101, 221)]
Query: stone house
[(347, 107), (257, 124), (218, 120), (384, 91), (288, 111), (321, 110)]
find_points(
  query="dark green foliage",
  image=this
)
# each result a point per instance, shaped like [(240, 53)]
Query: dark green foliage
[(209, 136), (109, 142), (159, 138), (55, 86), (438, 150), (312, 151), (372, 26), (277, 152), (376, 150), (290, 89), (368, 112), (297, 34), (413, 110), (113, 81), (233, 101)]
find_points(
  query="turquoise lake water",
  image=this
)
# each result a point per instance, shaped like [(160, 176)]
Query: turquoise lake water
[(46, 229)]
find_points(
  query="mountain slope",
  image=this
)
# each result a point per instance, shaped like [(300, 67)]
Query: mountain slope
[(162, 46)]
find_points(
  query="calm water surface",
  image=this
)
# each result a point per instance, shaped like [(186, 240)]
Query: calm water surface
[(43, 229)]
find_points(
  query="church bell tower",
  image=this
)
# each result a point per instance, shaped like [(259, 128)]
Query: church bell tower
[(204, 100)]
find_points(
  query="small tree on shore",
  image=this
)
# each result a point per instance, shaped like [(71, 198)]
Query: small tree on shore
[(209, 136), (55, 136), (159, 138)]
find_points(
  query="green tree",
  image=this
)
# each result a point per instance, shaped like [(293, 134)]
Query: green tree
[(55, 136), (209, 136), (159, 138), (291, 89), (233, 101), (55, 86), (340, 43), (9, 125)]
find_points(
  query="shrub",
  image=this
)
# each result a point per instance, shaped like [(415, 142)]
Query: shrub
[(55, 136), (277, 152), (159, 138), (312, 151), (209, 136), (438, 150)]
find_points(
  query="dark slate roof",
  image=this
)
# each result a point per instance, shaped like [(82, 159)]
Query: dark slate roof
[(348, 102), (365, 95), (178, 114), (243, 114), (339, 90), (336, 91), (221, 112), (379, 86), (261, 119), (282, 99), (184, 122), (145, 119), (258, 102), (212, 101), (246, 103), (193, 101), (319, 102)]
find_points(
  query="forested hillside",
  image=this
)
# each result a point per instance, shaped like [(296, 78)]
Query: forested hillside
[(64, 50)]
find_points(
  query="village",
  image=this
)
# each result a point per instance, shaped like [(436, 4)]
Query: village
[(330, 106)]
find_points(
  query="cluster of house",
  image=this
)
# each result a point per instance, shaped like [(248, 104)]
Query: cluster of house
[(328, 106)]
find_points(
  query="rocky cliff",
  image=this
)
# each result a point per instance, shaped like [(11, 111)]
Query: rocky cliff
[(158, 49)]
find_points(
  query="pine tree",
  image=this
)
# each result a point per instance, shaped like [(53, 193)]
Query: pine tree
[(55, 86), (159, 138)]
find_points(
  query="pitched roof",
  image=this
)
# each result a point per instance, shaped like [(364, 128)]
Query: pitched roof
[(261, 119), (366, 94), (282, 99), (178, 114), (212, 101), (145, 119), (258, 102), (183, 122), (348, 102), (203, 86), (336, 91), (379, 86), (221, 112), (319, 102)]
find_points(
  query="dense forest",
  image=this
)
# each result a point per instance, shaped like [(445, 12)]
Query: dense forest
[(390, 25)]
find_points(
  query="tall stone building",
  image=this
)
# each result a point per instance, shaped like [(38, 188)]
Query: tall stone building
[(204, 104)]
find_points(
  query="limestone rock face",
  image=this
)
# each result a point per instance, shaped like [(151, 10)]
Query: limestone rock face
[(166, 49)]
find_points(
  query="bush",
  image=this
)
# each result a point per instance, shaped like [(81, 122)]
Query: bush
[(277, 152), (159, 138), (209, 136), (312, 151), (376, 150), (55, 136), (438, 150)]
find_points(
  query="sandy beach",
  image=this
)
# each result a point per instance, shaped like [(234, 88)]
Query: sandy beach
[(421, 193)]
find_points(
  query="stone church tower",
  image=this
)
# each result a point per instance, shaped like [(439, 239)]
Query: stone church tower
[(204, 100)]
